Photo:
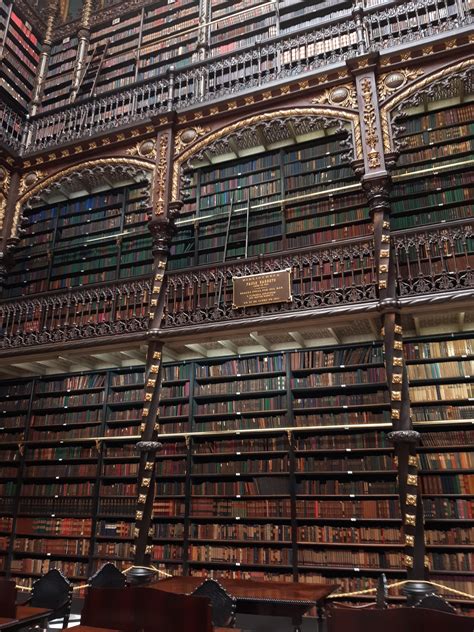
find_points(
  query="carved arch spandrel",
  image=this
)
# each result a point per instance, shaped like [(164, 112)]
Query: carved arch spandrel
[(337, 114), (29, 190), (414, 91)]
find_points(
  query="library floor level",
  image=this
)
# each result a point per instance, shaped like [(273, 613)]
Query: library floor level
[(236, 276)]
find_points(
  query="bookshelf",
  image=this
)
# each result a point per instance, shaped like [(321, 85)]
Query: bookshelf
[(290, 198), (92, 239), (440, 370), (20, 47), (443, 138), (273, 466)]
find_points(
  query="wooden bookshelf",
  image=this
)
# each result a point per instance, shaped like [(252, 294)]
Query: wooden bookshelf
[(20, 47), (93, 239), (289, 198)]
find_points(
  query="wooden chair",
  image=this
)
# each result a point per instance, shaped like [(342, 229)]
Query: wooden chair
[(169, 612), (52, 591), (223, 605), (113, 608), (7, 599), (108, 576)]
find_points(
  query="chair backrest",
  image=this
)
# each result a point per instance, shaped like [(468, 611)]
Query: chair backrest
[(169, 612), (435, 602), (223, 605), (114, 608), (7, 598), (108, 576), (52, 591), (395, 620)]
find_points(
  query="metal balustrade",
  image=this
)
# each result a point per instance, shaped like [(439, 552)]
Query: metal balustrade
[(426, 262), (350, 33), (95, 312)]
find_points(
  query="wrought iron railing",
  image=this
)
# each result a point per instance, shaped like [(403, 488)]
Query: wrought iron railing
[(427, 262), (94, 312), (434, 260), (347, 35), (320, 277)]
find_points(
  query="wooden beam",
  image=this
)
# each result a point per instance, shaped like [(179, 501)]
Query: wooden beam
[(261, 340), (170, 353), (229, 345), (335, 336), (298, 338), (197, 348), (375, 328), (134, 355), (416, 321), (461, 320)]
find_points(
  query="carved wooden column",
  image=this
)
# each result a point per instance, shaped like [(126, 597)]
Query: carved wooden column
[(204, 29), (377, 184), (9, 185), (161, 226), (52, 14), (83, 36)]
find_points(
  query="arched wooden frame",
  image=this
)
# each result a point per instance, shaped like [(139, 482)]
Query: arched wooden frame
[(336, 113), (418, 88), (135, 164)]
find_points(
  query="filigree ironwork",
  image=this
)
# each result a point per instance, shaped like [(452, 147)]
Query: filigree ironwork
[(434, 261), (95, 312), (342, 275)]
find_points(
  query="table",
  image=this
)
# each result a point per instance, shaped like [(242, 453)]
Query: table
[(282, 599), (25, 616)]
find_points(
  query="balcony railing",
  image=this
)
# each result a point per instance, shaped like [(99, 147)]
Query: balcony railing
[(427, 262), (434, 261), (320, 277), (349, 34), (96, 312)]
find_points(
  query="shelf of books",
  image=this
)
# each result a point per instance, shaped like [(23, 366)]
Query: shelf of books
[(283, 199), (273, 466), (434, 174), (441, 373), (20, 55), (90, 240)]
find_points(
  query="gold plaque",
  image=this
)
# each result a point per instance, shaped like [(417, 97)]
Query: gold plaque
[(262, 289)]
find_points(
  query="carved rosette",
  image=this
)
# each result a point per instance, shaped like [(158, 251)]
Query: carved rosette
[(390, 82), (343, 96)]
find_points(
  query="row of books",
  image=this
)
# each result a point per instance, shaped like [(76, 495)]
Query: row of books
[(68, 546), (448, 508), (447, 483), (242, 555), (441, 392), (346, 464), (439, 349), (74, 527), (359, 559), (440, 370), (447, 461), (42, 566)]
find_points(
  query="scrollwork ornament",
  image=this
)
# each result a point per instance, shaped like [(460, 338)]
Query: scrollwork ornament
[(5, 180), (370, 137), (159, 200)]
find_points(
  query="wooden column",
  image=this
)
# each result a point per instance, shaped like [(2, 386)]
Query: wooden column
[(377, 184), (161, 226), (9, 186), (52, 14), (83, 36)]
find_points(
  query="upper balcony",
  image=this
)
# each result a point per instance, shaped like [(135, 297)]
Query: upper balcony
[(430, 265), (383, 26)]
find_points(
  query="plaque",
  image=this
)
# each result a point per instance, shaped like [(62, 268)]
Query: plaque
[(261, 289)]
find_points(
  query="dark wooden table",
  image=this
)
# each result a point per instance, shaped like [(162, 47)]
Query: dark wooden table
[(277, 599)]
